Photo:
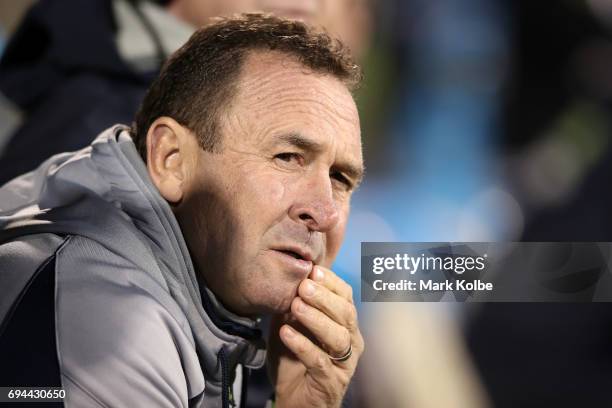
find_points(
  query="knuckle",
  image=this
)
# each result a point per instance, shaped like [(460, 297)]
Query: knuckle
[(347, 339), (344, 380), (322, 362), (360, 344), (350, 292), (352, 316), (301, 347), (342, 342)]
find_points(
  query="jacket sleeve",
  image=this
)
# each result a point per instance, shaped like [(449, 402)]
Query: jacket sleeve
[(118, 345)]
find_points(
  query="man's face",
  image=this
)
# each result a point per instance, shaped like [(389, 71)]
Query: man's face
[(275, 200)]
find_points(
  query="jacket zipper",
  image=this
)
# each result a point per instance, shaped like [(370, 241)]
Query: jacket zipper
[(227, 396)]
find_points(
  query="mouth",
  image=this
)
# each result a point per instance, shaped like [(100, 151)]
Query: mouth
[(297, 253), (297, 259)]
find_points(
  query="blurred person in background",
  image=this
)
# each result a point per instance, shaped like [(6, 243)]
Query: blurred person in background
[(74, 67)]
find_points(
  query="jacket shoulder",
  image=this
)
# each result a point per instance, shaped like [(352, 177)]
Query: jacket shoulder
[(122, 339)]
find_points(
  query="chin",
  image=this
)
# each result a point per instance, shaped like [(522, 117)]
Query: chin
[(266, 309), (277, 305), (273, 290), (276, 301)]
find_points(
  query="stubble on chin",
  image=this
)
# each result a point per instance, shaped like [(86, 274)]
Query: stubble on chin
[(266, 294)]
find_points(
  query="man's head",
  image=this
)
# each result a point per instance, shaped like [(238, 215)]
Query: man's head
[(252, 135)]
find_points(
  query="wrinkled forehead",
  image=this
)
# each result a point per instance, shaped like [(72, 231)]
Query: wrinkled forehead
[(275, 90)]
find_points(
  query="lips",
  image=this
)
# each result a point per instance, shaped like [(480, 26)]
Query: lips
[(296, 252), (299, 260)]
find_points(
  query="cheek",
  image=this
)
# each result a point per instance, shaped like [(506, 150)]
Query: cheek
[(264, 189), (264, 198), (276, 191)]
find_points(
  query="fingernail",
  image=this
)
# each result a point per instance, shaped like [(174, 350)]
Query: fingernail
[(288, 332), (318, 275), (309, 290), (301, 306)]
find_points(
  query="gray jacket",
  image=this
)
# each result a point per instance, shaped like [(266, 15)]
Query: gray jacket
[(98, 291)]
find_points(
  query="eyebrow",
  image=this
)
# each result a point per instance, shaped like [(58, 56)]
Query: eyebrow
[(300, 141)]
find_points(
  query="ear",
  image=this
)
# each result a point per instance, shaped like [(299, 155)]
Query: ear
[(170, 151)]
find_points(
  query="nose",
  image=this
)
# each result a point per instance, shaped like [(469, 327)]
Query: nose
[(315, 205)]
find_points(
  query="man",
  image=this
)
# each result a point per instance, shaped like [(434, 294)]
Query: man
[(136, 279), (74, 67)]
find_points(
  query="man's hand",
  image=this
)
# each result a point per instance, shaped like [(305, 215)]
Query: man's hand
[(322, 323)]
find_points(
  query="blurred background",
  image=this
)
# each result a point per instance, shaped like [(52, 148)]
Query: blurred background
[(482, 120)]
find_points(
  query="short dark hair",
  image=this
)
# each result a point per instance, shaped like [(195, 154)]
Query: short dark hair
[(199, 79)]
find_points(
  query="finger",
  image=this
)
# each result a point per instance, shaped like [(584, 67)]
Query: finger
[(334, 338), (333, 282), (306, 351), (320, 297)]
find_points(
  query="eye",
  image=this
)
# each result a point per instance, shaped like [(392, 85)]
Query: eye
[(289, 159), (341, 178)]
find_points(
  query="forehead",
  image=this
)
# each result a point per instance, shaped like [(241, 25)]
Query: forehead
[(276, 93)]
